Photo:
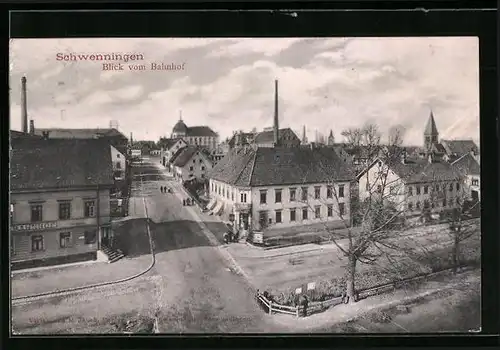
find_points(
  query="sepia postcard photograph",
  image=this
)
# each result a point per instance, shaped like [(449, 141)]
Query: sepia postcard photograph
[(245, 185)]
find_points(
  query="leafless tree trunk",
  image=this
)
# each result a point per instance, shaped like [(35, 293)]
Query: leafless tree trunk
[(351, 277)]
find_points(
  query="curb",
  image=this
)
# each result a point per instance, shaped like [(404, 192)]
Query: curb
[(97, 285), (277, 255)]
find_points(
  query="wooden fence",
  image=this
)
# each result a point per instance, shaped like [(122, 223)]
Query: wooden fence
[(315, 307)]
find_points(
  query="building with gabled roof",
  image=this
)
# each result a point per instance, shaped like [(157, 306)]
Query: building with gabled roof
[(286, 138), (471, 169), (60, 200), (413, 185), (191, 162), (273, 188)]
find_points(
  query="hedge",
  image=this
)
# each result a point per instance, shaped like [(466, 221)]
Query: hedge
[(409, 267)]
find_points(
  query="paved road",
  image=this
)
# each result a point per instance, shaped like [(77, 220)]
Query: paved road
[(199, 292)]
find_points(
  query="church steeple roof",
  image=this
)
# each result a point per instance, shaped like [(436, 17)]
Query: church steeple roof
[(430, 127)]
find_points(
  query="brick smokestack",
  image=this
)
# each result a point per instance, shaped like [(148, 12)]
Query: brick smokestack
[(24, 106), (32, 127), (276, 121)]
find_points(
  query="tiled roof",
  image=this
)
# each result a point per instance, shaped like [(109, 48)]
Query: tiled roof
[(56, 163), (281, 166), (459, 147), (167, 143), (55, 133), (468, 165), (437, 147), (268, 136), (421, 170), (180, 126), (200, 131), (184, 155)]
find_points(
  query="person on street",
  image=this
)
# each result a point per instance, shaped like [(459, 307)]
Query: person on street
[(161, 189), (184, 202)]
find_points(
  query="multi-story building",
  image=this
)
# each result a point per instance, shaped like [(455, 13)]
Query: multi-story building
[(413, 186), (281, 187), (191, 163), (169, 147), (119, 164), (60, 195), (195, 135), (471, 170)]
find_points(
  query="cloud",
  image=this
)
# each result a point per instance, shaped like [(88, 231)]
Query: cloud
[(228, 84)]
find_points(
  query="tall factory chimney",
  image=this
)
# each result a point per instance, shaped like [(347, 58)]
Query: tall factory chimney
[(24, 106), (276, 121)]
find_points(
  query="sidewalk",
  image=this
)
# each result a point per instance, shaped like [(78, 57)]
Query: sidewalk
[(345, 313), (247, 251), (65, 277)]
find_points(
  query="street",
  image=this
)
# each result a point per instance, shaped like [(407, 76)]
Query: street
[(192, 287)]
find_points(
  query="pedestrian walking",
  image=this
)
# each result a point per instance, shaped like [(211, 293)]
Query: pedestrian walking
[(184, 202), (161, 189)]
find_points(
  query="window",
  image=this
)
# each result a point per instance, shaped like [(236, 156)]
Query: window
[(293, 192), (330, 211), (202, 176), (317, 192), (451, 187), (190, 168), (436, 188), (65, 239), (277, 196), (410, 191), (341, 191), (418, 190), (341, 209), (444, 202), (36, 243), (458, 186), (118, 155), (317, 212), (232, 196), (329, 193), (263, 197), (426, 189), (432, 205), (292, 214), (243, 197), (36, 212), (475, 182), (410, 206), (89, 209), (200, 161), (379, 188), (418, 205), (426, 204), (118, 165), (304, 213), (278, 216), (202, 168), (194, 161), (304, 193)]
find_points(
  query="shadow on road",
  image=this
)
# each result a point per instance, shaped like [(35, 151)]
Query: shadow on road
[(131, 236)]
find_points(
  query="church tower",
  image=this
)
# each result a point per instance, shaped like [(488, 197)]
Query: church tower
[(331, 139), (431, 133)]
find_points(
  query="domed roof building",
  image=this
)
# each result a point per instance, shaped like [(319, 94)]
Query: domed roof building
[(180, 129)]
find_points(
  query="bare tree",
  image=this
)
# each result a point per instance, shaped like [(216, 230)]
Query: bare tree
[(376, 213), (459, 215)]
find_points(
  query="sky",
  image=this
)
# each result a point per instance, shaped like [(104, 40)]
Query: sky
[(228, 84)]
